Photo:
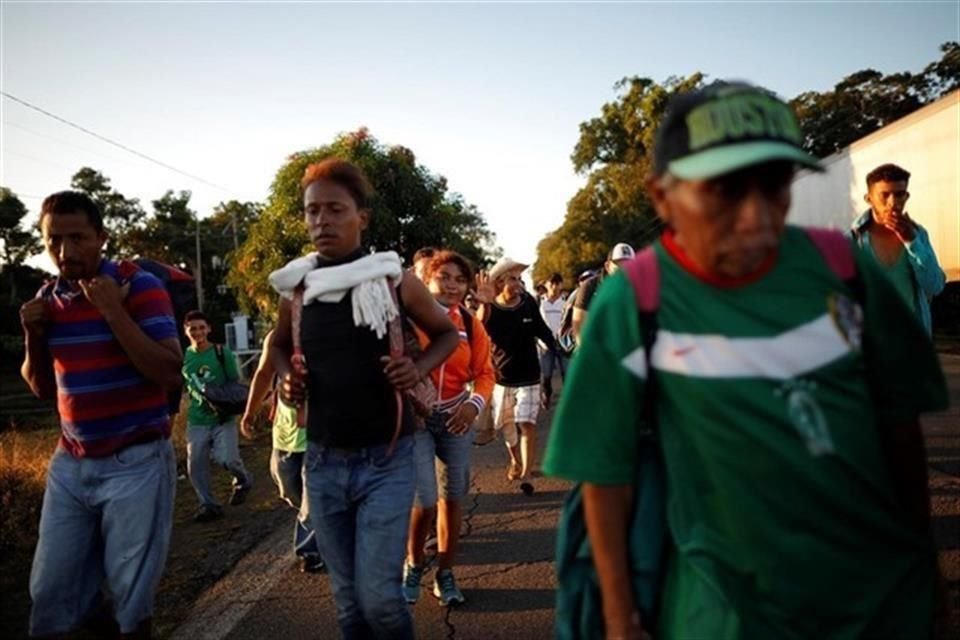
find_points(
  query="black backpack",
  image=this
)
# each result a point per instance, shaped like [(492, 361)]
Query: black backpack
[(227, 399), (183, 297), (565, 337)]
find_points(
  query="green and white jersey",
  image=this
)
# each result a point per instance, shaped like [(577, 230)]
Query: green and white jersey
[(199, 369), (770, 395)]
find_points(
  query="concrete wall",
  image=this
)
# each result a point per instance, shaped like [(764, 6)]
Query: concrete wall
[(927, 144)]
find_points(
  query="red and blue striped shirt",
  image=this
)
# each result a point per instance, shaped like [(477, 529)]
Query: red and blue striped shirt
[(105, 403)]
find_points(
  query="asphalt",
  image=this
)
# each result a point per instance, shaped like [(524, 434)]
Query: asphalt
[(505, 567)]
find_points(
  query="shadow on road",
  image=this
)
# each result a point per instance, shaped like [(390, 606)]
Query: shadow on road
[(497, 600)]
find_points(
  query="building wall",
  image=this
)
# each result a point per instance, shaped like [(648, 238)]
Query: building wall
[(927, 144)]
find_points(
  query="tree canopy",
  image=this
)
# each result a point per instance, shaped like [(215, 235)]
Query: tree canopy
[(615, 149), (122, 216), (18, 242), (411, 208), (614, 152), (868, 100)]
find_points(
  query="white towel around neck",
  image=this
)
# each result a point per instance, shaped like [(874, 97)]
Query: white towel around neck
[(368, 279)]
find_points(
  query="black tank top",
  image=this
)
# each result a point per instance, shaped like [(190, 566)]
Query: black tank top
[(350, 402)]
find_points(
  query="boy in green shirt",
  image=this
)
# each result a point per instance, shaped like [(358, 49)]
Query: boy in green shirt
[(210, 435), (786, 403)]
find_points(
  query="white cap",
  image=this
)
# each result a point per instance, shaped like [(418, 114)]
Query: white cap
[(621, 251), (504, 266)]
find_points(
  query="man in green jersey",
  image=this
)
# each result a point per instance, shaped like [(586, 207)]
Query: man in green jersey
[(786, 402), (210, 436)]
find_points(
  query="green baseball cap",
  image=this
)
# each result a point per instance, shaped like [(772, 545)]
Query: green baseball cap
[(725, 127)]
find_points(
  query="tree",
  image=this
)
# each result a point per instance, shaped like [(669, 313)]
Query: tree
[(122, 217), (868, 100), (614, 151), (411, 208), (943, 76), (169, 234), (18, 243)]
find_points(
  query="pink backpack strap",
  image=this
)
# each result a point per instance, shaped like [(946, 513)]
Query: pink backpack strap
[(644, 275), (836, 249)]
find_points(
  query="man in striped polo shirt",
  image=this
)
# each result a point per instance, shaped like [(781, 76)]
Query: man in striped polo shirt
[(786, 393), (101, 339)]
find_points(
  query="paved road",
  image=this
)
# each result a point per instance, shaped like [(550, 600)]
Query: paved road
[(505, 569)]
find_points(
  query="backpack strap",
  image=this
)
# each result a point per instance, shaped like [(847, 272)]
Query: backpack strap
[(836, 250), (397, 349), (468, 320), (218, 348), (644, 275), (46, 291), (297, 360)]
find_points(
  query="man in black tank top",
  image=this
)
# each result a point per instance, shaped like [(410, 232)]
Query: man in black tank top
[(359, 463)]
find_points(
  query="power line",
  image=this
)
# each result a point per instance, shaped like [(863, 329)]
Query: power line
[(114, 143), (36, 159), (60, 140)]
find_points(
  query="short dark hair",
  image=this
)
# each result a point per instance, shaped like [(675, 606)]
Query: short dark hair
[(66, 202), (887, 173), (424, 252), (556, 278), (195, 315), (441, 258), (344, 174)]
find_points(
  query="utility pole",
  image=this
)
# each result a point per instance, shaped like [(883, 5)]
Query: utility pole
[(233, 215), (198, 271)]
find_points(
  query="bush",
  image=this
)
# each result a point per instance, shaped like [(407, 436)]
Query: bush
[(23, 468)]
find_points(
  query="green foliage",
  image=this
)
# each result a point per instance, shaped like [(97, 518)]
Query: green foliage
[(18, 283), (18, 244), (614, 152), (123, 217), (412, 208), (868, 100), (169, 235)]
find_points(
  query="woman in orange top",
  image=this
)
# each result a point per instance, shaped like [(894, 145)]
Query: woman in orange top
[(445, 443)]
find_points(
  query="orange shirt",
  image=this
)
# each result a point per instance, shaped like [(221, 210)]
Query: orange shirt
[(468, 363)]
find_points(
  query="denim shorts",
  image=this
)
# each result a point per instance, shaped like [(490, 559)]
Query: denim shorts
[(443, 462)]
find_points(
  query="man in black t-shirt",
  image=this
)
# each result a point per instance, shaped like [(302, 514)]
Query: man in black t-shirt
[(513, 320), (621, 253)]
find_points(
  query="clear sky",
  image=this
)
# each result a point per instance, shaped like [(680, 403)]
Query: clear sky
[(488, 95)]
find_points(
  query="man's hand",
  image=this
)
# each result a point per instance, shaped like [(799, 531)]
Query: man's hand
[(33, 317), (902, 226), (293, 390), (104, 293), (459, 423), (247, 426), (401, 372), (485, 289)]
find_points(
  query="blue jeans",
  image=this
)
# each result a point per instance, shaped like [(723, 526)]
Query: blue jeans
[(360, 507), (219, 443), (552, 359), (105, 522), (443, 462), (286, 469)]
